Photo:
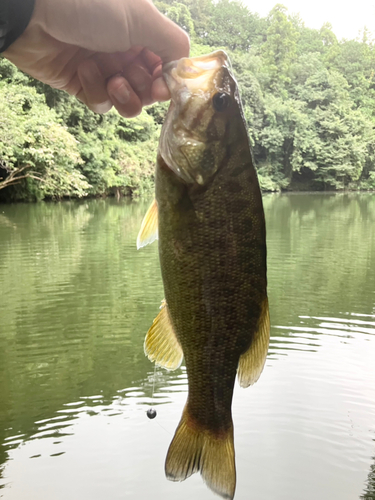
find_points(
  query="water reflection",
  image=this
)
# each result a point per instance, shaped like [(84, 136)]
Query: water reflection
[(321, 255), (77, 299), (370, 487), (303, 337)]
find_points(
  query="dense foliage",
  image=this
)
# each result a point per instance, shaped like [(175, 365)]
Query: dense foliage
[(309, 103)]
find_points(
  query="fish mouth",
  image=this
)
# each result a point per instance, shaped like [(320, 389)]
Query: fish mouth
[(191, 67), (195, 73), (188, 79)]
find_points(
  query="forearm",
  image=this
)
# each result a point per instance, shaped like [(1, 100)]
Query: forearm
[(105, 52), (14, 18)]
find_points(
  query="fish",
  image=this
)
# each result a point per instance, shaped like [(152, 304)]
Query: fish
[(209, 221)]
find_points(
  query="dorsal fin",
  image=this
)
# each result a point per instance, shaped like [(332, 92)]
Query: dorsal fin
[(149, 227), (161, 344), (252, 361)]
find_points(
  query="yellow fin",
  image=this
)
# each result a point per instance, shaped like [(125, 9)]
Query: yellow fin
[(161, 344), (252, 361), (193, 449), (149, 228)]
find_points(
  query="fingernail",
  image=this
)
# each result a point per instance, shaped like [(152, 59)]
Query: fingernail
[(103, 107), (121, 94)]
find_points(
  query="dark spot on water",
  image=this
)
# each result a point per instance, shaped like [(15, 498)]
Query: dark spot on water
[(151, 413)]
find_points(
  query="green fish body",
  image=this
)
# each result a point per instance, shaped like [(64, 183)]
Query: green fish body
[(212, 247)]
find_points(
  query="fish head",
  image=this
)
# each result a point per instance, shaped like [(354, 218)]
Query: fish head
[(204, 103)]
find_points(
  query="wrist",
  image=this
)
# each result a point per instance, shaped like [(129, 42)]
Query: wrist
[(14, 18)]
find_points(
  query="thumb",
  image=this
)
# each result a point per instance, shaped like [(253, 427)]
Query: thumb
[(150, 28)]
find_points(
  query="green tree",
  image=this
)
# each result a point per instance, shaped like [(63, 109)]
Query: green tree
[(308, 99), (35, 149), (283, 121), (331, 46), (232, 25), (179, 13), (278, 52), (356, 60), (336, 142), (246, 67), (310, 40)]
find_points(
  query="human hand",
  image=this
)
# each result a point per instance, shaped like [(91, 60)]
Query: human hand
[(105, 52)]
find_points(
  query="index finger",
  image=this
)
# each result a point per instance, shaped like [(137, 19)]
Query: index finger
[(159, 90), (160, 35), (151, 60)]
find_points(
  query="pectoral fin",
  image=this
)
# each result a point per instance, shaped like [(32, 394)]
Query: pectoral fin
[(252, 361), (161, 344), (149, 228)]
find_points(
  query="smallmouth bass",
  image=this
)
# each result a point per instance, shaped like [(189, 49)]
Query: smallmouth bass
[(208, 216)]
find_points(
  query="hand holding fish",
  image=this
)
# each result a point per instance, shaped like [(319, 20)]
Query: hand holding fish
[(107, 53)]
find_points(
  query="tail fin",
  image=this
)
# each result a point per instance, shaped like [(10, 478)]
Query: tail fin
[(193, 449)]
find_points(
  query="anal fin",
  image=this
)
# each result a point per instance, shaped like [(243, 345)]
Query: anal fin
[(161, 344), (149, 227), (252, 361)]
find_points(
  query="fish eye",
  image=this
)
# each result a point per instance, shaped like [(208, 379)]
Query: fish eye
[(220, 101)]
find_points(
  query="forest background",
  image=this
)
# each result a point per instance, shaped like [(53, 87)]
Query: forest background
[(309, 102)]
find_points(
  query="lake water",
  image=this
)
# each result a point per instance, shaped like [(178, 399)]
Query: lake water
[(76, 299)]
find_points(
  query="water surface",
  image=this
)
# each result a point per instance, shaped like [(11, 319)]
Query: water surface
[(76, 300)]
